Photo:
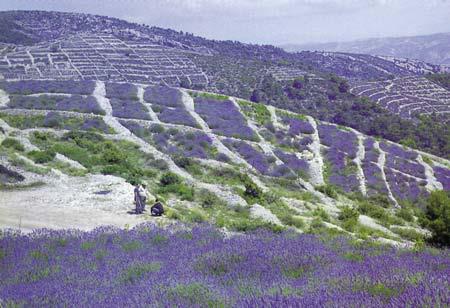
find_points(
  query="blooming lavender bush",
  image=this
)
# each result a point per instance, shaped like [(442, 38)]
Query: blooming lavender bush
[(258, 160), (123, 91), (405, 166), (129, 109), (297, 126), (374, 180), (76, 103), (335, 138), (299, 166), (25, 87), (173, 141), (398, 151), (163, 95), (343, 170), (224, 118), (149, 266), (176, 116), (371, 153), (404, 187), (443, 176)]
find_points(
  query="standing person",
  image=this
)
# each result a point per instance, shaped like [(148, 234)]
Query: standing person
[(143, 196), (137, 199)]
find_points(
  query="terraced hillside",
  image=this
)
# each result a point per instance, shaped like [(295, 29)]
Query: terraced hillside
[(407, 96), (55, 45), (217, 148)]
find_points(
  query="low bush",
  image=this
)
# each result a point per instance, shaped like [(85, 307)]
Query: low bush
[(437, 217), (321, 213), (13, 144), (42, 157), (349, 217), (169, 178), (328, 190)]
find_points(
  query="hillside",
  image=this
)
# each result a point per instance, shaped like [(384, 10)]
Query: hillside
[(434, 48), (87, 47), (234, 163)]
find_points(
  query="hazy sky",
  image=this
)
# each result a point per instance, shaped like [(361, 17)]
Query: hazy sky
[(268, 21)]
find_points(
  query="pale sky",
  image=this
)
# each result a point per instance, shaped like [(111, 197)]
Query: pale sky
[(268, 21)]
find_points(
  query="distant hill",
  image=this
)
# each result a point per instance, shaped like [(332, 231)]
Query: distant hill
[(434, 48)]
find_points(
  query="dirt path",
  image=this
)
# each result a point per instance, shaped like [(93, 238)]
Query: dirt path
[(81, 202)]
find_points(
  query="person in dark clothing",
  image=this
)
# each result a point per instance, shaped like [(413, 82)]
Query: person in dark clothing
[(157, 209)]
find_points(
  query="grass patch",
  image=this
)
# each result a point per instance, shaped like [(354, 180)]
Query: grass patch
[(136, 272)]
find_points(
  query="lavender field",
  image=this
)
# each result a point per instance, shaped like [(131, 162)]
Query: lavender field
[(202, 267)]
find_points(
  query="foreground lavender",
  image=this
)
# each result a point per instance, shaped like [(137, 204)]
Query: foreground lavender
[(148, 266)]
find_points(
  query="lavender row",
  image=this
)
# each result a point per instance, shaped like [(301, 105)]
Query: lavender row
[(299, 166), (404, 187), (177, 115), (129, 109), (286, 140), (374, 180), (371, 153), (343, 170), (163, 95), (264, 164), (75, 103), (398, 151), (125, 91), (297, 126), (335, 138), (25, 87), (405, 166), (173, 141), (224, 118), (443, 176)]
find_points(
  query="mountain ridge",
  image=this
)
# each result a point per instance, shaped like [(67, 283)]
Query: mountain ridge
[(432, 48)]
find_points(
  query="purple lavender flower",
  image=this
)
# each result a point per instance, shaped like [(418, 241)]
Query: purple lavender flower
[(25, 87), (224, 118)]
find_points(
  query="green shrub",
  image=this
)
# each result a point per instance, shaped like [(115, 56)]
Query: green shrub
[(369, 209), (195, 216), (405, 214), (293, 221), (437, 217), (408, 233), (328, 190), (42, 157), (208, 199), (13, 144), (320, 212), (349, 217), (169, 178), (184, 191), (112, 155)]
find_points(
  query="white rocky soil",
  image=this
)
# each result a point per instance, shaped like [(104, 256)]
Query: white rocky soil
[(4, 99), (258, 211), (316, 170), (360, 154), (381, 162), (432, 182), (74, 203)]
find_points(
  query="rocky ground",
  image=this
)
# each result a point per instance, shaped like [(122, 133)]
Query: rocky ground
[(81, 202)]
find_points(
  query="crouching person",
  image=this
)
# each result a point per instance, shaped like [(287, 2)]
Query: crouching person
[(157, 209)]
